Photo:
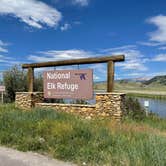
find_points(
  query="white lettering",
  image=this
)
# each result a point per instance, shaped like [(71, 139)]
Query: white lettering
[(66, 86), (56, 75), (51, 86)]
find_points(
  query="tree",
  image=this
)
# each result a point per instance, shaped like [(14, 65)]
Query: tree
[(38, 82), (15, 80)]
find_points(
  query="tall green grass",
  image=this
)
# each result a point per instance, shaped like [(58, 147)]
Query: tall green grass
[(85, 142)]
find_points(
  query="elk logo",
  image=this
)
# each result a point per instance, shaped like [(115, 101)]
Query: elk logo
[(82, 76)]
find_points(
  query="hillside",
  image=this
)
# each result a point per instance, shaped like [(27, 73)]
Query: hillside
[(161, 80), (154, 86)]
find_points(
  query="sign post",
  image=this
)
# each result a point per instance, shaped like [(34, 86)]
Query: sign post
[(146, 104), (2, 90), (68, 84)]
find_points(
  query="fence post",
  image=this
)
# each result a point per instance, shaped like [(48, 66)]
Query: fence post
[(30, 79), (110, 76)]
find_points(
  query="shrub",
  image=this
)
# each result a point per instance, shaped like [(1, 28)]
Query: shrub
[(15, 80), (134, 108)]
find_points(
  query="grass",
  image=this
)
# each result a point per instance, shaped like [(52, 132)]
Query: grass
[(137, 89), (85, 142)]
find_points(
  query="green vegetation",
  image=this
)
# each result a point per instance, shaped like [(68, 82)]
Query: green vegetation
[(141, 141), (15, 80), (153, 88), (133, 85), (133, 109), (157, 80)]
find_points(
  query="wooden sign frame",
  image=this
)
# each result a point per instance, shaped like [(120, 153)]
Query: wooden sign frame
[(110, 60)]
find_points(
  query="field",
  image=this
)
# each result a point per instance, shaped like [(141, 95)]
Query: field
[(136, 88), (85, 142)]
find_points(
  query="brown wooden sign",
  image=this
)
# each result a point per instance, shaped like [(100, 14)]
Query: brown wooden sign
[(71, 84)]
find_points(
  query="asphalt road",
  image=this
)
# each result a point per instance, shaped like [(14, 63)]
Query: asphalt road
[(10, 157)]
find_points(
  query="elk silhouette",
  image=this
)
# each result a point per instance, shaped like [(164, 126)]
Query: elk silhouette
[(82, 76)]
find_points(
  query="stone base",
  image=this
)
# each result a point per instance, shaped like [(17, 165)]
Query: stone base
[(27, 100), (107, 105)]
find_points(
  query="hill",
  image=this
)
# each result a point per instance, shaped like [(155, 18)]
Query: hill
[(151, 88), (161, 80)]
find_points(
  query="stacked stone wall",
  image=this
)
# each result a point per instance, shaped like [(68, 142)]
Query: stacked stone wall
[(27, 100), (107, 105)]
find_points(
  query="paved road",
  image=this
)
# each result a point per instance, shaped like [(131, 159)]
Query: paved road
[(10, 157)]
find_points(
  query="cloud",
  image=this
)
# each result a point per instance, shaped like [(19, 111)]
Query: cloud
[(136, 74), (81, 2), (65, 27), (160, 58), (54, 55), (134, 59), (150, 44), (95, 77), (6, 60), (2, 47), (162, 48), (32, 12), (160, 34), (3, 43), (125, 47)]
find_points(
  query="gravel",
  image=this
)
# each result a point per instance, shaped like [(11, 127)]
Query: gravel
[(10, 157)]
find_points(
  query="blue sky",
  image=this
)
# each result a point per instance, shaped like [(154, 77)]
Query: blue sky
[(46, 30)]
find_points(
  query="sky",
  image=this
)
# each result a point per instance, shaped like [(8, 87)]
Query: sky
[(49, 30)]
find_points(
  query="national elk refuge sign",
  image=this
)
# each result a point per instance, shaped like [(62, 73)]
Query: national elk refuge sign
[(72, 84)]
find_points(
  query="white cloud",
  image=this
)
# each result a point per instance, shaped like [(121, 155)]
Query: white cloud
[(160, 34), (3, 49), (159, 73), (3, 43), (2, 46), (150, 44), (134, 59), (81, 2), (125, 47), (160, 58), (135, 74), (54, 55), (32, 12), (65, 27), (5, 59), (96, 77), (8, 61), (155, 74), (162, 48)]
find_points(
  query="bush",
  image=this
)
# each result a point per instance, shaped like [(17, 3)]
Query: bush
[(15, 80), (134, 108)]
